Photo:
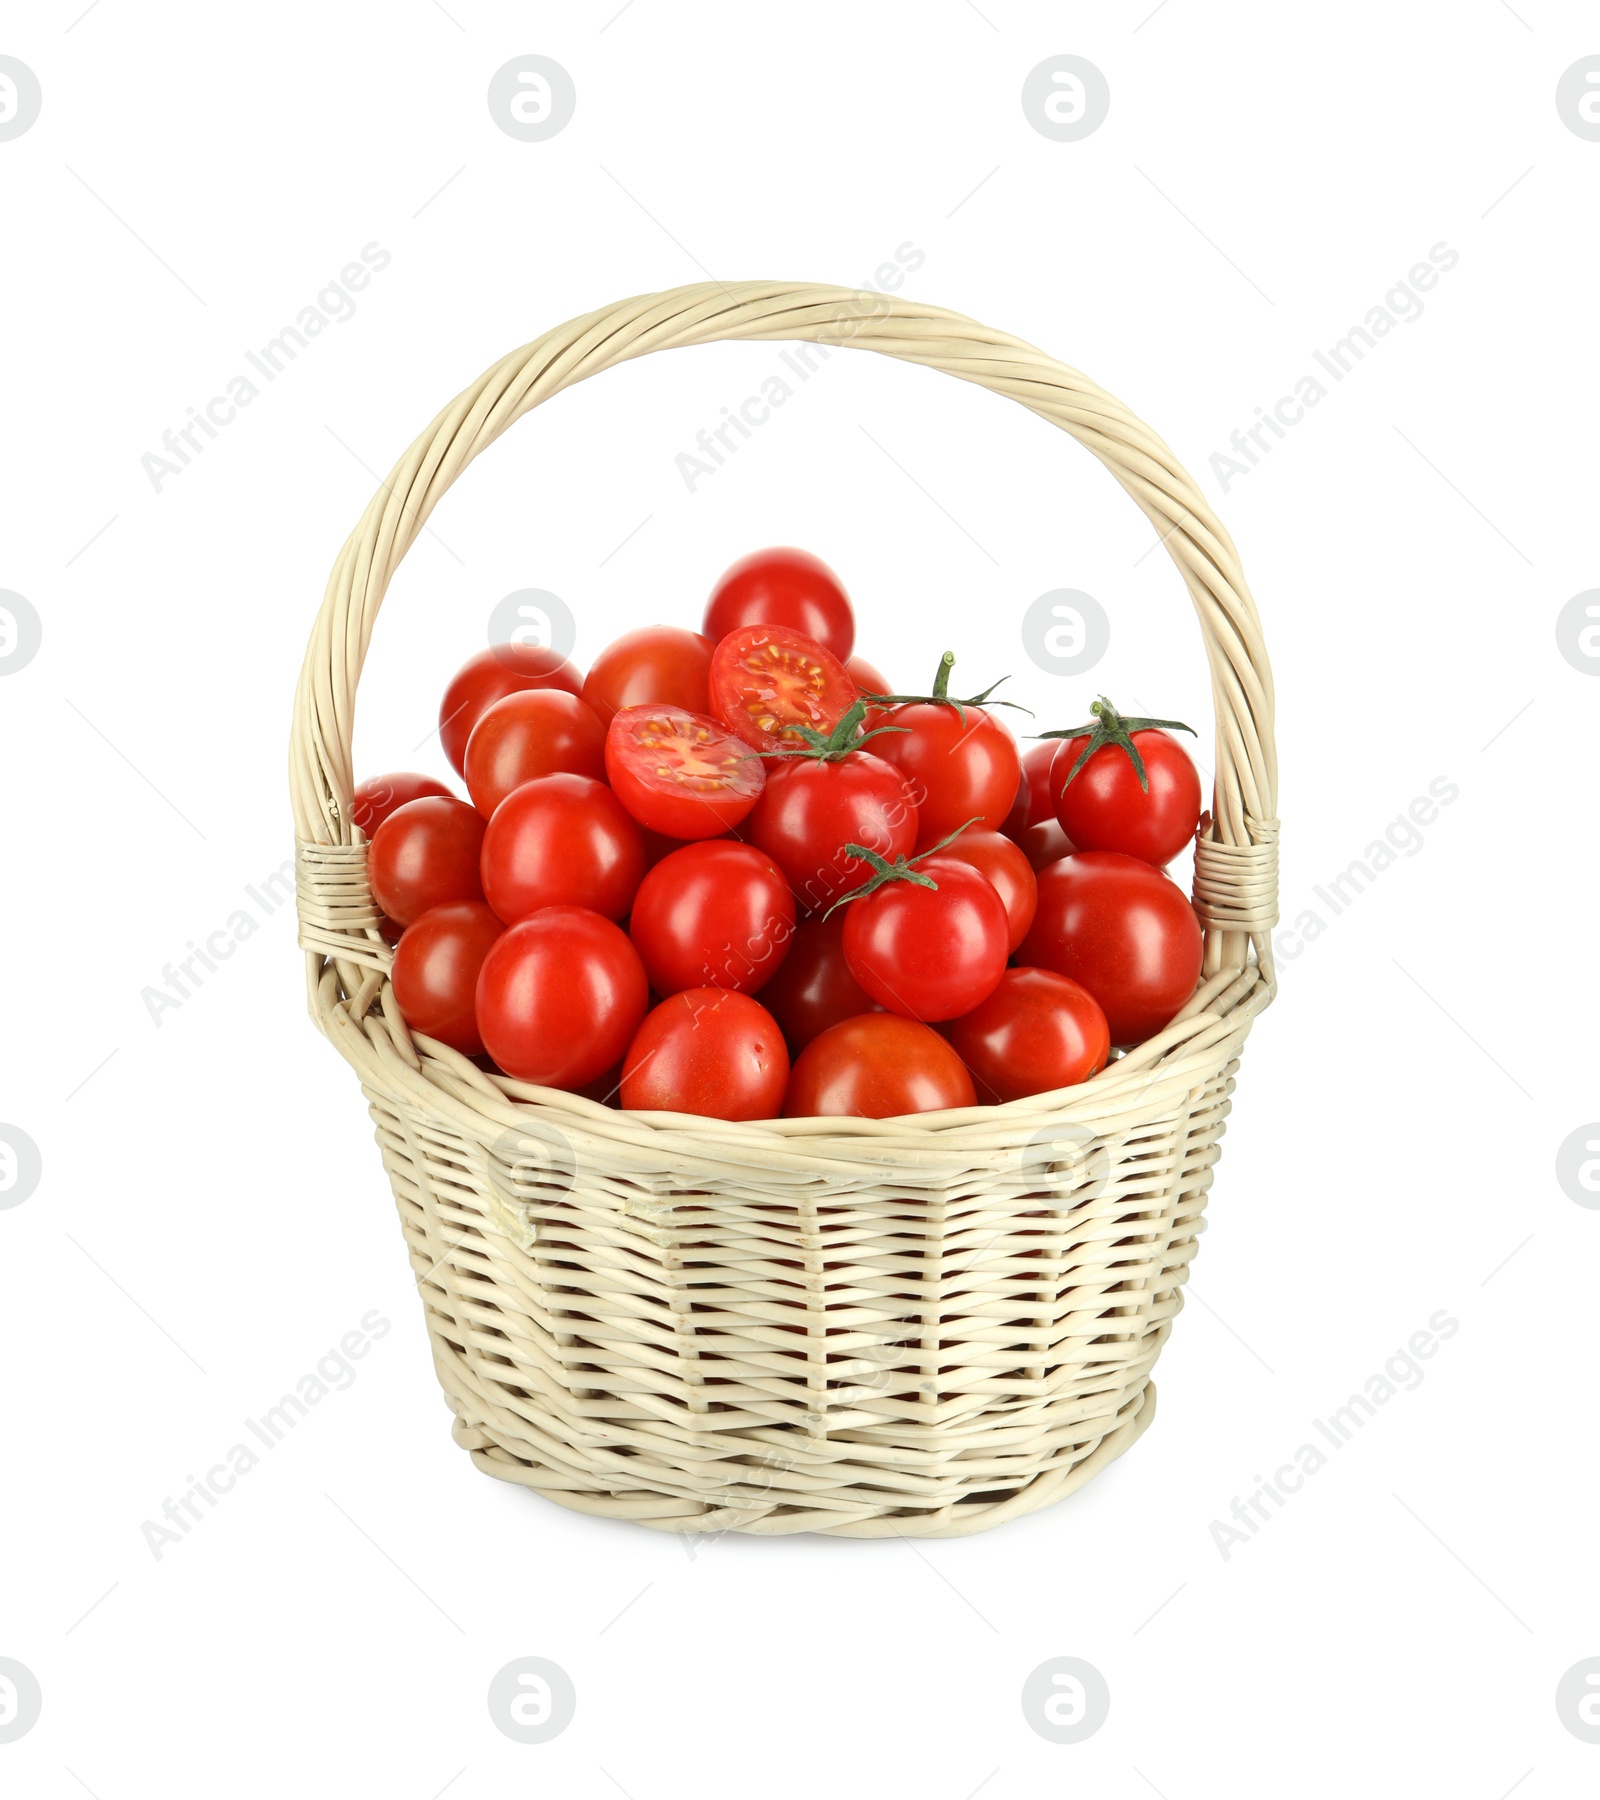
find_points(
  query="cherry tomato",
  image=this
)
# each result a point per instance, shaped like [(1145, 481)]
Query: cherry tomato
[(562, 840), (379, 795), (425, 854), (707, 1051), (928, 952), (813, 987), (866, 678), (560, 996), (1121, 929), (766, 680), (810, 809), (877, 1066), (435, 972), (1044, 844), (716, 915), (1103, 807), (658, 665), (1036, 799), (784, 587), (962, 764), (1036, 1031), (538, 731), (489, 676), (680, 773), (1006, 869)]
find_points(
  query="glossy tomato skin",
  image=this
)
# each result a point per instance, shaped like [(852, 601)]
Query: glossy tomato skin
[(1036, 797), (380, 795), (766, 680), (712, 915), (1037, 1031), (489, 676), (562, 840), (680, 773), (709, 1051), (809, 810), (537, 731), (560, 997), (962, 770), (1104, 808), (436, 968), (658, 665), (866, 677), (784, 587), (1121, 929), (425, 854), (877, 1066), (1006, 869), (1043, 844), (928, 953), (813, 987)]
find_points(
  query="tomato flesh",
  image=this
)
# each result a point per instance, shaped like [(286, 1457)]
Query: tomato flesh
[(767, 680), (679, 773)]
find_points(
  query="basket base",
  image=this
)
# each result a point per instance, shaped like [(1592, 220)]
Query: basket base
[(961, 1520)]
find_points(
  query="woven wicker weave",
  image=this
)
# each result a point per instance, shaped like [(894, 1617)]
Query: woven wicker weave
[(920, 1326)]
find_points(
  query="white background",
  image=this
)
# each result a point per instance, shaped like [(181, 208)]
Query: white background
[(212, 1214)]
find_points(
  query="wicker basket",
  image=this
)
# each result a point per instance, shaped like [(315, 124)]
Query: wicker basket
[(920, 1326)]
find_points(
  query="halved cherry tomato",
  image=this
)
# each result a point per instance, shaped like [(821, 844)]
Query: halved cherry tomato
[(680, 773), (436, 968), (1036, 1031), (489, 676), (562, 840), (1124, 931), (784, 587), (814, 988), (1006, 869), (560, 996), (766, 680), (379, 795), (538, 731), (658, 665), (812, 807), (928, 952), (425, 854), (877, 1066), (707, 1051), (712, 915)]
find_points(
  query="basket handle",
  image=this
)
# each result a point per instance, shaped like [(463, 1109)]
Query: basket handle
[(1236, 877)]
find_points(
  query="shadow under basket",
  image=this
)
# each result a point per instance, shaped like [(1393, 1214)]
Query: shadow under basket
[(916, 1327)]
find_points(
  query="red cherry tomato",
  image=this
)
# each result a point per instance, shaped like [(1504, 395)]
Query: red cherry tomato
[(867, 680), (707, 1051), (928, 952), (811, 809), (1036, 1031), (680, 773), (562, 840), (1036, 799), (1103, 807), (766, 680), (539, 731), (784, 587), (716, 915), (489, 676), (1121, 929), (814, 988), (1044, 844), (435, 972), (560, 996), (1006, 869), (380, 795), (658, 665), (877, 1066), (963, 765), (425, 854)]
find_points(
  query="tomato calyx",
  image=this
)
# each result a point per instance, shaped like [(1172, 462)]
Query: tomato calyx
[(903, 868), (941, 693), (1108, 726), (837, 744)]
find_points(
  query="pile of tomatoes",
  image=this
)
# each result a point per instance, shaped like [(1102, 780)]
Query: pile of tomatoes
[(730, 872)]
